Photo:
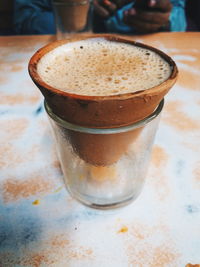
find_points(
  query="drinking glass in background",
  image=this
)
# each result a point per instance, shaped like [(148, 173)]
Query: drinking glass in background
[(72, 16)]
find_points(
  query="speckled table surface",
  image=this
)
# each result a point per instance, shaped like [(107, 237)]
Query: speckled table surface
[(41, 225)]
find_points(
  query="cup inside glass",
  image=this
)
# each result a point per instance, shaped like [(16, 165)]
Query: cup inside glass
[(104, 168)]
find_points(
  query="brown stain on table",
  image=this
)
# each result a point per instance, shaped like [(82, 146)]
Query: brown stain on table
[(25, 44), (37, 260), (72, 250), (16, 68), (158, 164), (59, 242), (171, 40), (189, 80), (192, 146), (188, 74), (15, 99), (13, 129), (162, 256), (9, 156), (159, 156), (178, 119), (196, 175), (15, 189), (188, 65), (8, 66), (159, 257), (58, 249), (140, 250), (3, 80)]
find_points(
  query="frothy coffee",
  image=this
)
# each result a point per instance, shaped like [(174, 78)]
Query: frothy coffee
[(99, 67)]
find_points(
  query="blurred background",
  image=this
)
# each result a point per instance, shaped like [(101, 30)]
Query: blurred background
[(192, 11)]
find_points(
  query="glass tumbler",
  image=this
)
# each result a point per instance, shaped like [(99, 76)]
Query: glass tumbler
[(72, 17), (104, 168)]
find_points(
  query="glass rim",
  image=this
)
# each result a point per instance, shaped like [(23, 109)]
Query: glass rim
[(91, 130)]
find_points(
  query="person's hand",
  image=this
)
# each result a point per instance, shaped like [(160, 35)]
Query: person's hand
[(106, 8), (148, 15)]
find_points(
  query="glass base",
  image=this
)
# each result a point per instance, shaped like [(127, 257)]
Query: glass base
[(112, 205)]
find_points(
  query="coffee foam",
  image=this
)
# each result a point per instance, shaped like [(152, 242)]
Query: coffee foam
[(99, 67)]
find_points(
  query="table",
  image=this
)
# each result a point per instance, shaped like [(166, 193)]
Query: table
[(41, 225)]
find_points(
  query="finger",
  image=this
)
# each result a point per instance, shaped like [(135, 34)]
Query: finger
[(152, 3), (110, 6), (152, 17), (101, 11), (141, 26)]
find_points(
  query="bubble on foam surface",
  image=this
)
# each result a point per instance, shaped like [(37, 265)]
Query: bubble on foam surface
[(100, 67)]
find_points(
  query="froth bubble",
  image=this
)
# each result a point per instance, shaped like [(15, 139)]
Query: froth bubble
[(95, 66)]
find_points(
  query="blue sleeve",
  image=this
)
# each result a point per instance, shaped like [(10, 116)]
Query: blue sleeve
[(177, 19), (33, 17), (115, 23)]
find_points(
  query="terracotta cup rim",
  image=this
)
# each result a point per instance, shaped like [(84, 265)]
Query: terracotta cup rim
[(91, 130), (32, 68)]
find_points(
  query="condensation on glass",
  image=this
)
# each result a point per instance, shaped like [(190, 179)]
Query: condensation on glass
[(104, 168)]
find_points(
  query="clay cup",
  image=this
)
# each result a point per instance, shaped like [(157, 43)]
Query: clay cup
[(102, 111)]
